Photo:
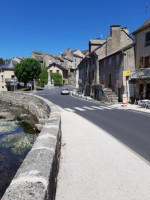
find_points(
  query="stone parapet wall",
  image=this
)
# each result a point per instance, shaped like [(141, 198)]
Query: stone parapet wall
[(39, 108), (36, 178)]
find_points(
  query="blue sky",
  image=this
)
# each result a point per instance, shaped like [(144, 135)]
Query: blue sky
[(53, 26)]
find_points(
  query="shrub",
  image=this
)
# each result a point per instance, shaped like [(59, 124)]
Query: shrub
[(57, 79), (43, 78)]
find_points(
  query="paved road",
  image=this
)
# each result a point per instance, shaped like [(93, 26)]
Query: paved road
[(131, 128)]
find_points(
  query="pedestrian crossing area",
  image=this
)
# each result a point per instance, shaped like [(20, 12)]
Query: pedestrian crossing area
[(89, 108)]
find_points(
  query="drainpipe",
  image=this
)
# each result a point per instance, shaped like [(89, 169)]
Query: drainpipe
[(125, 69)]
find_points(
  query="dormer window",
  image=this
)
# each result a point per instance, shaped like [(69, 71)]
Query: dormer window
[(147, 39)]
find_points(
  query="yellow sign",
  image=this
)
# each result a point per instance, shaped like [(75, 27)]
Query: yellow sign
[(127, 73)]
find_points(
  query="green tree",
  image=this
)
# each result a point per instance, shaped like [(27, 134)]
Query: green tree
[(43, 78), (2, 62), (27, 70)]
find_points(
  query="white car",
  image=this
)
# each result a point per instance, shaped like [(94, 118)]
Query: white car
[(65, 91)]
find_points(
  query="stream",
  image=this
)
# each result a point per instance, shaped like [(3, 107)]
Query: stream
[(17, 135)]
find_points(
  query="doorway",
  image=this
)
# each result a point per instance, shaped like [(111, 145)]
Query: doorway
[(148, 91)]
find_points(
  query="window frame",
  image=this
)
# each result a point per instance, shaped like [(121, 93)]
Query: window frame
[(147, 39)]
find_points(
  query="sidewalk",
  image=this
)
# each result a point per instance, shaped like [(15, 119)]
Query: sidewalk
[(95, 166), (129, 106)]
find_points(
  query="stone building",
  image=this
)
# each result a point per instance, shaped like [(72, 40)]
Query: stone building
[(57, 68), (140, 77), (89, 66), (38, 56), (72, 58), (119, 58), (107, 60), (111, 70), (69, 59)]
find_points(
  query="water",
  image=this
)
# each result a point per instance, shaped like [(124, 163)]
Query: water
[(17, 136)]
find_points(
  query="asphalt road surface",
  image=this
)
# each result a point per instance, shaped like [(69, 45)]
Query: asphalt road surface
[(131, 128)]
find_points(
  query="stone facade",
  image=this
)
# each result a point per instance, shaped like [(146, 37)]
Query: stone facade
[(118, 44), (111, 69), (68, 60), (72, 58)]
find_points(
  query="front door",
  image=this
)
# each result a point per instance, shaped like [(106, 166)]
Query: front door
[(148, 91)]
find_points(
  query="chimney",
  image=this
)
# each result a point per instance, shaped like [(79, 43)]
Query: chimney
[(115, 31), (68, 50), (108, 35)]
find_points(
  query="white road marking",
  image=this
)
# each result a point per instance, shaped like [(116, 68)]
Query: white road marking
[(88, 108), (97, 107), (70, 110), (106, 107), (81, 109)]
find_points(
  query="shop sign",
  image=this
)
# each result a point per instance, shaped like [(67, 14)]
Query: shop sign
[(127, 73)]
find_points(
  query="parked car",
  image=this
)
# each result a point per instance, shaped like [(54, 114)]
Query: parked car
[(65, 91)]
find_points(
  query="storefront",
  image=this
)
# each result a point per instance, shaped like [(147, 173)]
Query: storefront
[(141, 81)]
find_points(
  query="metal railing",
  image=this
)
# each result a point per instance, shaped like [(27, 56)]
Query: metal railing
[(8, 80)]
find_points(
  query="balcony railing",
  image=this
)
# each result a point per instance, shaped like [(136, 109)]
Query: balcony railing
[(142, 73), (9, 80)]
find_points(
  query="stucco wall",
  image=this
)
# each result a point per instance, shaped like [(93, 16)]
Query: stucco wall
[(6, 74), (140, 49)]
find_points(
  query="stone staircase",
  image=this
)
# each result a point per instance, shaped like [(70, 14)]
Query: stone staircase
[(111, 95)]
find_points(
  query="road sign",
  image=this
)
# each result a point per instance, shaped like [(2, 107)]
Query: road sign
[(127, 73)]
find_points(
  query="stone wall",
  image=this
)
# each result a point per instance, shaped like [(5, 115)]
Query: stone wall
[(36, 178)]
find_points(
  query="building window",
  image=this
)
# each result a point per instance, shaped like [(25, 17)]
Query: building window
[(147, 39), (141, 62), (117, 75), (117, 59), (12, 77), (147, 62), (51, 71), (57, 71), (109, 61), (2, 78), (93, 75)]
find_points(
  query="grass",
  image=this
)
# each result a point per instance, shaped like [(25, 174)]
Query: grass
[(23, 89)]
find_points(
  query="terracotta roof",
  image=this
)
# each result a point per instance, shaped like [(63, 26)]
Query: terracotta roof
[(145, 25)]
